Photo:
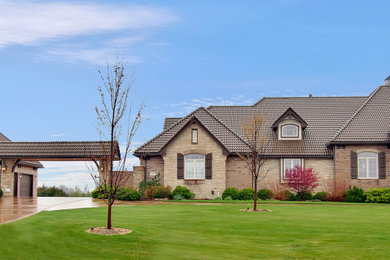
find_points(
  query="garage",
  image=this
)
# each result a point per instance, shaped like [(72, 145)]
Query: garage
[(26, 185)]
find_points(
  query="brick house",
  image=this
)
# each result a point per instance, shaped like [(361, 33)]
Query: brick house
[(339, 137)]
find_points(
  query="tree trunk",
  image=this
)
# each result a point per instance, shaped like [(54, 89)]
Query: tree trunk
[(109, 216), (255, 200)]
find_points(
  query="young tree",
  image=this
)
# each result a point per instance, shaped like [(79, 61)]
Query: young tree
[(257, 134), (112, 112), (301, 180)]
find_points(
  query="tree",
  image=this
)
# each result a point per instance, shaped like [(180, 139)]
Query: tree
[(301, 180), (257, 134), (113, 111)]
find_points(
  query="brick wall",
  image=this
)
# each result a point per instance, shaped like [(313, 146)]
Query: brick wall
[(206, 144), (343, 165)]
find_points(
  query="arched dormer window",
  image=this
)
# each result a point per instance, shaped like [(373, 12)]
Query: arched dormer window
[(290, 131)]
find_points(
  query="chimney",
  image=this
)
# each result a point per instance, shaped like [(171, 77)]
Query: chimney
[(387, 81), (310, 95)]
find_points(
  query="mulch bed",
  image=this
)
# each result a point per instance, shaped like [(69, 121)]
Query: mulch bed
[(258, 210), (108, 232)]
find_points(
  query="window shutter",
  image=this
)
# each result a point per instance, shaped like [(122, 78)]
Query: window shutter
[(354, 172), (180, 166), (382, 165), (209, 166)]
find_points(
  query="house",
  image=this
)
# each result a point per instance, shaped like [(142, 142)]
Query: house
[(19, 161), (343, 138)]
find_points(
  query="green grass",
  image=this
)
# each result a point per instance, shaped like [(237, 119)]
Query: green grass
[(220, 231)]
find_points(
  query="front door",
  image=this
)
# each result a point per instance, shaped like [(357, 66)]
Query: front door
[(16, 178)]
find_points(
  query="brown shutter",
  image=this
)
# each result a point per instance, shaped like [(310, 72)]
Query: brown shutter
[(209, 166), (180, 166), (382, 165), (354, 172)]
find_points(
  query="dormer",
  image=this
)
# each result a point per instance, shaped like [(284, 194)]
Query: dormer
[(289, 126)]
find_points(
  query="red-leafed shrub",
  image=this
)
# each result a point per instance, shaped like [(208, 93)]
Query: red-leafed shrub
[(301, 180), (335, 189)]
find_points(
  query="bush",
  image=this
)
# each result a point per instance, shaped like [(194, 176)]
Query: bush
[(217, 198), (154, 182), (264, 194), (150, 192), (246, 194), (95, 193), (306, 195), (163, 192), (45, 191), (1, 193), (322, 195), (178, 197), (228, 198), (183, 191), (128, 194), (355, 194), (379, 195), (301, 180), (285, 195), (233, 193)]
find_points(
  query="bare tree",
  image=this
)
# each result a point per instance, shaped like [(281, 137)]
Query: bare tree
[(257, 134), (112, 112)]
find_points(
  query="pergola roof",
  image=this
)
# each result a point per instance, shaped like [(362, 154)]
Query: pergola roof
[(61, 151)]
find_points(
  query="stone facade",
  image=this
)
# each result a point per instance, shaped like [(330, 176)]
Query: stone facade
[(207, 188), (343, 165), (8, 178), (231, 171)]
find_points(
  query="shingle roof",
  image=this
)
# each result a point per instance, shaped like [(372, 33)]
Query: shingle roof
[(170, 121), (324, 117), (225, 136), (370, 123), (37, 164), (55, 150)]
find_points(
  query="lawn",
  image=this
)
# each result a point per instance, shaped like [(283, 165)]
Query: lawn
[(220, 231)]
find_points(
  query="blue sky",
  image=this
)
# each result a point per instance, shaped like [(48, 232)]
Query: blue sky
[(184, 54)]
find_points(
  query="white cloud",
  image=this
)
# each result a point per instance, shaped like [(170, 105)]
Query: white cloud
[(185, 107), (27, 23), (57, 135)]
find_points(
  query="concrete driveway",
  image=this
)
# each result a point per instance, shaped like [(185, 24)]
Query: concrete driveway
[(12, 208), (16, 208)]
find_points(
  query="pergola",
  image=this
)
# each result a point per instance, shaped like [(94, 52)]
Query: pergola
[(13, 154)]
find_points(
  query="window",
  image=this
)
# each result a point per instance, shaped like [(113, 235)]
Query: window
[(368, 165), (194, 165), (290, 164), (194, 136), (290, 131)]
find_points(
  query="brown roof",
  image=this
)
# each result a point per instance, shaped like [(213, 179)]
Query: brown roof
[(55, 150), (326, 118), (225, 136), (37, 164), (370, 123), (170, 121)]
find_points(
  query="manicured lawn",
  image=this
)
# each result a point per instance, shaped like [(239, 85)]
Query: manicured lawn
[(217, 231)]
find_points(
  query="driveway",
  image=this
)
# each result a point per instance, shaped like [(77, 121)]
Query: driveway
[(12, 208), (16, 208)]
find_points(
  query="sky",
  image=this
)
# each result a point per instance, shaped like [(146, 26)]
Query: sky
[(184, 54)]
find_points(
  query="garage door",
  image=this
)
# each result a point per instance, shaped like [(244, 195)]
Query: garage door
[(26, 183)]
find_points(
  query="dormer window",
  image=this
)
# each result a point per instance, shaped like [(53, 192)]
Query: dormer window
[(289, 126), (290, 131)]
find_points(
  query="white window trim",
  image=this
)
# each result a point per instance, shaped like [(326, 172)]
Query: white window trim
[(367, 173), (282, 164), (194, 136), (289, 136), (195, 160)]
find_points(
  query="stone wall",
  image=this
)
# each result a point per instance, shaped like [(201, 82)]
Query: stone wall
[(7, 181), (343, 165), (154, 166), (206, 144)]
